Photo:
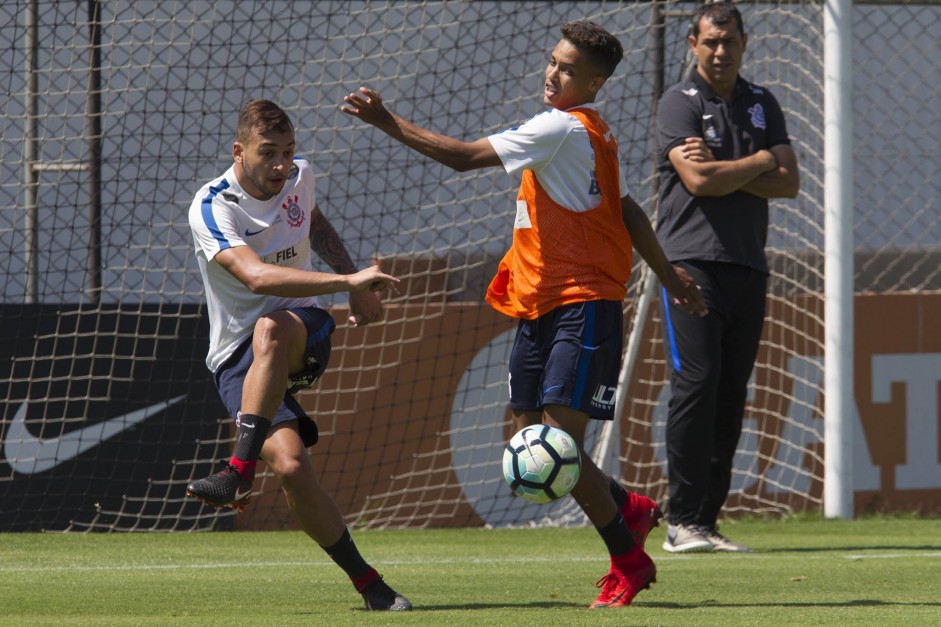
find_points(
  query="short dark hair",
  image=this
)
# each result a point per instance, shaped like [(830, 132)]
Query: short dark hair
[(262, 116), (719, 13), (603, 49)]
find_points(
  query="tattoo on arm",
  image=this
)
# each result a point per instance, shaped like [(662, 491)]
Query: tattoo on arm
[(325, 241)]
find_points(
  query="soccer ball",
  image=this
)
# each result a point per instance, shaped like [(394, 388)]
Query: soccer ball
[(541, 463)]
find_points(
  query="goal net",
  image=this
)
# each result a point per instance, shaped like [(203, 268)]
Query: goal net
[(117, 112)]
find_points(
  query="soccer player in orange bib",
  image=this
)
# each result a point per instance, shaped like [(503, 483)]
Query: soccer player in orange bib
[(565, 275)]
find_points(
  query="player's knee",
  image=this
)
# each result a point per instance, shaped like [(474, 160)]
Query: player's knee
[(289, 469), (271, 334)]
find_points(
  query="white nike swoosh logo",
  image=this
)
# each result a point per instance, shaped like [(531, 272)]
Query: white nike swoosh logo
[(239, 495), (28, 454)]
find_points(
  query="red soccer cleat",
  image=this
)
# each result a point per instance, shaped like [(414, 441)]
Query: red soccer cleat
[(630, 573)]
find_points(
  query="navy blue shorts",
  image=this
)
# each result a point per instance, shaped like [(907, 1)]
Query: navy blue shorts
[(231, 375), (570, 356)]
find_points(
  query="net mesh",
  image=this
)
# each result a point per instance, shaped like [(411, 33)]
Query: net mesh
[(109, 410)]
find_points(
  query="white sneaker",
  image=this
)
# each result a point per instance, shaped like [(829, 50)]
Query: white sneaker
[(687, 539), (721, 543)]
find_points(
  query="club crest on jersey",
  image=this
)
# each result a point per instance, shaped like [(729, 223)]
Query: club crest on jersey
[(294, 212), (757, 116)]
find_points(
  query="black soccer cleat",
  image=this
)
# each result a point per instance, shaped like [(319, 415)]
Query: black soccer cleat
[(379, 596), (226, 488)]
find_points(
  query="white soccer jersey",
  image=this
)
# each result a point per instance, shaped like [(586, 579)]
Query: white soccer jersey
[(224, 216), (556, 147)]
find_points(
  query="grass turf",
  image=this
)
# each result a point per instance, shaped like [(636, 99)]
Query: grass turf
[(876, 571)]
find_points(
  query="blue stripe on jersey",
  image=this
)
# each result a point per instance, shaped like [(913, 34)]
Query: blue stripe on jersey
[(588, 344), (210, 219), (674, 355)]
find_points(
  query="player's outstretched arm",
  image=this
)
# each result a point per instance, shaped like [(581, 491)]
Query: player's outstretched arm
[(265, 278), (366, 104), (676, 280)]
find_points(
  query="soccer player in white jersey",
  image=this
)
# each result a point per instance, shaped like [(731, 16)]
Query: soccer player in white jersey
[(254, 229)]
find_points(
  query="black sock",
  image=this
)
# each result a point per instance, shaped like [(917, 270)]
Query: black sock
[(616, 536), (618, 493), (347, 557), (252, 432)]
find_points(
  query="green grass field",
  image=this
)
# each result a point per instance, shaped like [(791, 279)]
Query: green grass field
[(804, 571)]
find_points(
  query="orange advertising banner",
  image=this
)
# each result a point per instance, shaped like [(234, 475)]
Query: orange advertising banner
[(413, 417)]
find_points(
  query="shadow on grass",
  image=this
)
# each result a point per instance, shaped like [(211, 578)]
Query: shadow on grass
[(532, 605)]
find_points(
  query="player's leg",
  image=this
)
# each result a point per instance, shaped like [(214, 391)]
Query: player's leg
[(584, 343), (582, 350), (252, 383), (319, 517), (278, 345), (314, 509), (631, 569), (640, 513), (591, 491)]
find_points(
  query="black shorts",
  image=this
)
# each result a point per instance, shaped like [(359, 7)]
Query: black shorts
[(230, 376), (570, 356)]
